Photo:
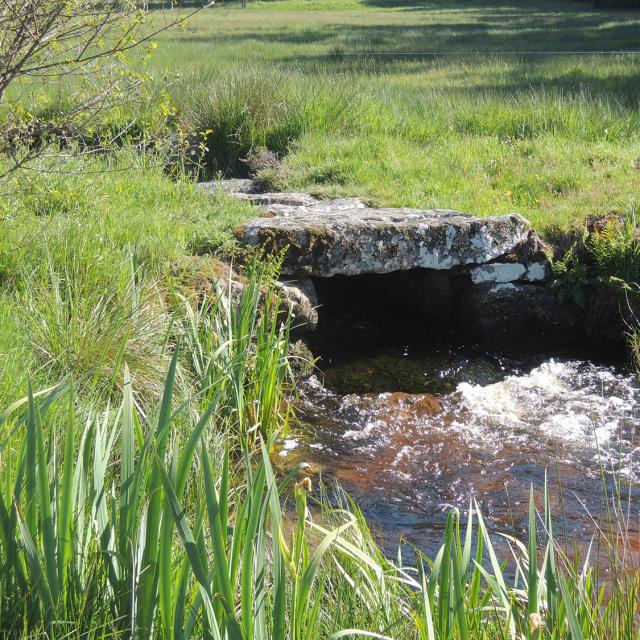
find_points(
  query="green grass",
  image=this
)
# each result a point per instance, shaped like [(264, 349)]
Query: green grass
[(89, 262), (480, 127), (139, 504)]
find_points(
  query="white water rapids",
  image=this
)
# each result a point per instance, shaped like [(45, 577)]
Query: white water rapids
[(407, 458)]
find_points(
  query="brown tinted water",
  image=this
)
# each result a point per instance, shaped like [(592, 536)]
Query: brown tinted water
[(410, 436)]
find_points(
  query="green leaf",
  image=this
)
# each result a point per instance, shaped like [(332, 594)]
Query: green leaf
[(572, 618), (65, 508), (35, 568), (532, 582), (219, 549)]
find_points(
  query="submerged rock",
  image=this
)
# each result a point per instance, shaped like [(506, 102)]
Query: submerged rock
[(361, 240)]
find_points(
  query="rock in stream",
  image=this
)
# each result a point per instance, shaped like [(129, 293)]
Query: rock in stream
[(495, 269)]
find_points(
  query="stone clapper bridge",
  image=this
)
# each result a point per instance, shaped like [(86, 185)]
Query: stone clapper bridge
[(487, 277)]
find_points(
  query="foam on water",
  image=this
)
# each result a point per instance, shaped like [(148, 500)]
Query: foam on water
[(578, 407), (407, 458)]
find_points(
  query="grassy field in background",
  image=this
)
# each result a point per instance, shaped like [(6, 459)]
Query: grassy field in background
[(499, 120)]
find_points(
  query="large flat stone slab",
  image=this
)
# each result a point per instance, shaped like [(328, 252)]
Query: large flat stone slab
[(355, 241)]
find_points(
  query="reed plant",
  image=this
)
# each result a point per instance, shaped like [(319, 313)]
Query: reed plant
[(126, 524), (236, 341)]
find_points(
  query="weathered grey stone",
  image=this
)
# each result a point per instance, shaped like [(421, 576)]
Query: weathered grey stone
[(251, 190), (319, 206), (356, 241), (534, 254), (498, 272), (538, 271), (299, 296), (291, 199), (511, 272), (339, 204), (518, 313)]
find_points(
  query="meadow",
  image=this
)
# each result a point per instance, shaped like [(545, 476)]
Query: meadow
[(139, 401), (466, 105)]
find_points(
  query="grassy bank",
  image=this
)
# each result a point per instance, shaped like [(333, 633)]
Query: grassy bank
[(90, 262), (499, 119)]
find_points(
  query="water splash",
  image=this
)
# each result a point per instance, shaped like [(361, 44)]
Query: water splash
[(407, 458)]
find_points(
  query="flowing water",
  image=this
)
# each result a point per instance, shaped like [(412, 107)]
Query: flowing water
[(411, 435)]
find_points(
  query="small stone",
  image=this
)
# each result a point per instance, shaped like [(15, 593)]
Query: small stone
[(427, 406), (299, 296), (319, 206), (232, 186), (397, 399), (498, 272), (283, 198), (538, 272)]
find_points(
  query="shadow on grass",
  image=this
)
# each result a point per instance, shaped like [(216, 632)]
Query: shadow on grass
[(477, 49), (475, 27), (371, 49)]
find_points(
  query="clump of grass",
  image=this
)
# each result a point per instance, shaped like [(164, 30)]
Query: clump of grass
[(237, 345), (251, 108), (53, 195), (111, 204), (86, 263), (634, 348), (84, 325), (615, 249), (162, 545)]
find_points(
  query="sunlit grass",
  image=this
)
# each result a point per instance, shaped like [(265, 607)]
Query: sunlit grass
[(132, 523), (479, 128), (137, 504), (87, 260)]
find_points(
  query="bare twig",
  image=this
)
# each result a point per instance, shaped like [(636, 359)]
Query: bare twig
[(78, 44)]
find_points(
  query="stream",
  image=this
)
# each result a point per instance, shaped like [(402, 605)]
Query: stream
[(411, 432)]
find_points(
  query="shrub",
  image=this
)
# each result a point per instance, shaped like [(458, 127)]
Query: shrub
[(601, 272)]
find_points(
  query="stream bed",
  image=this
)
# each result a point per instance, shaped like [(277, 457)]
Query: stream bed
[(411, 433)]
